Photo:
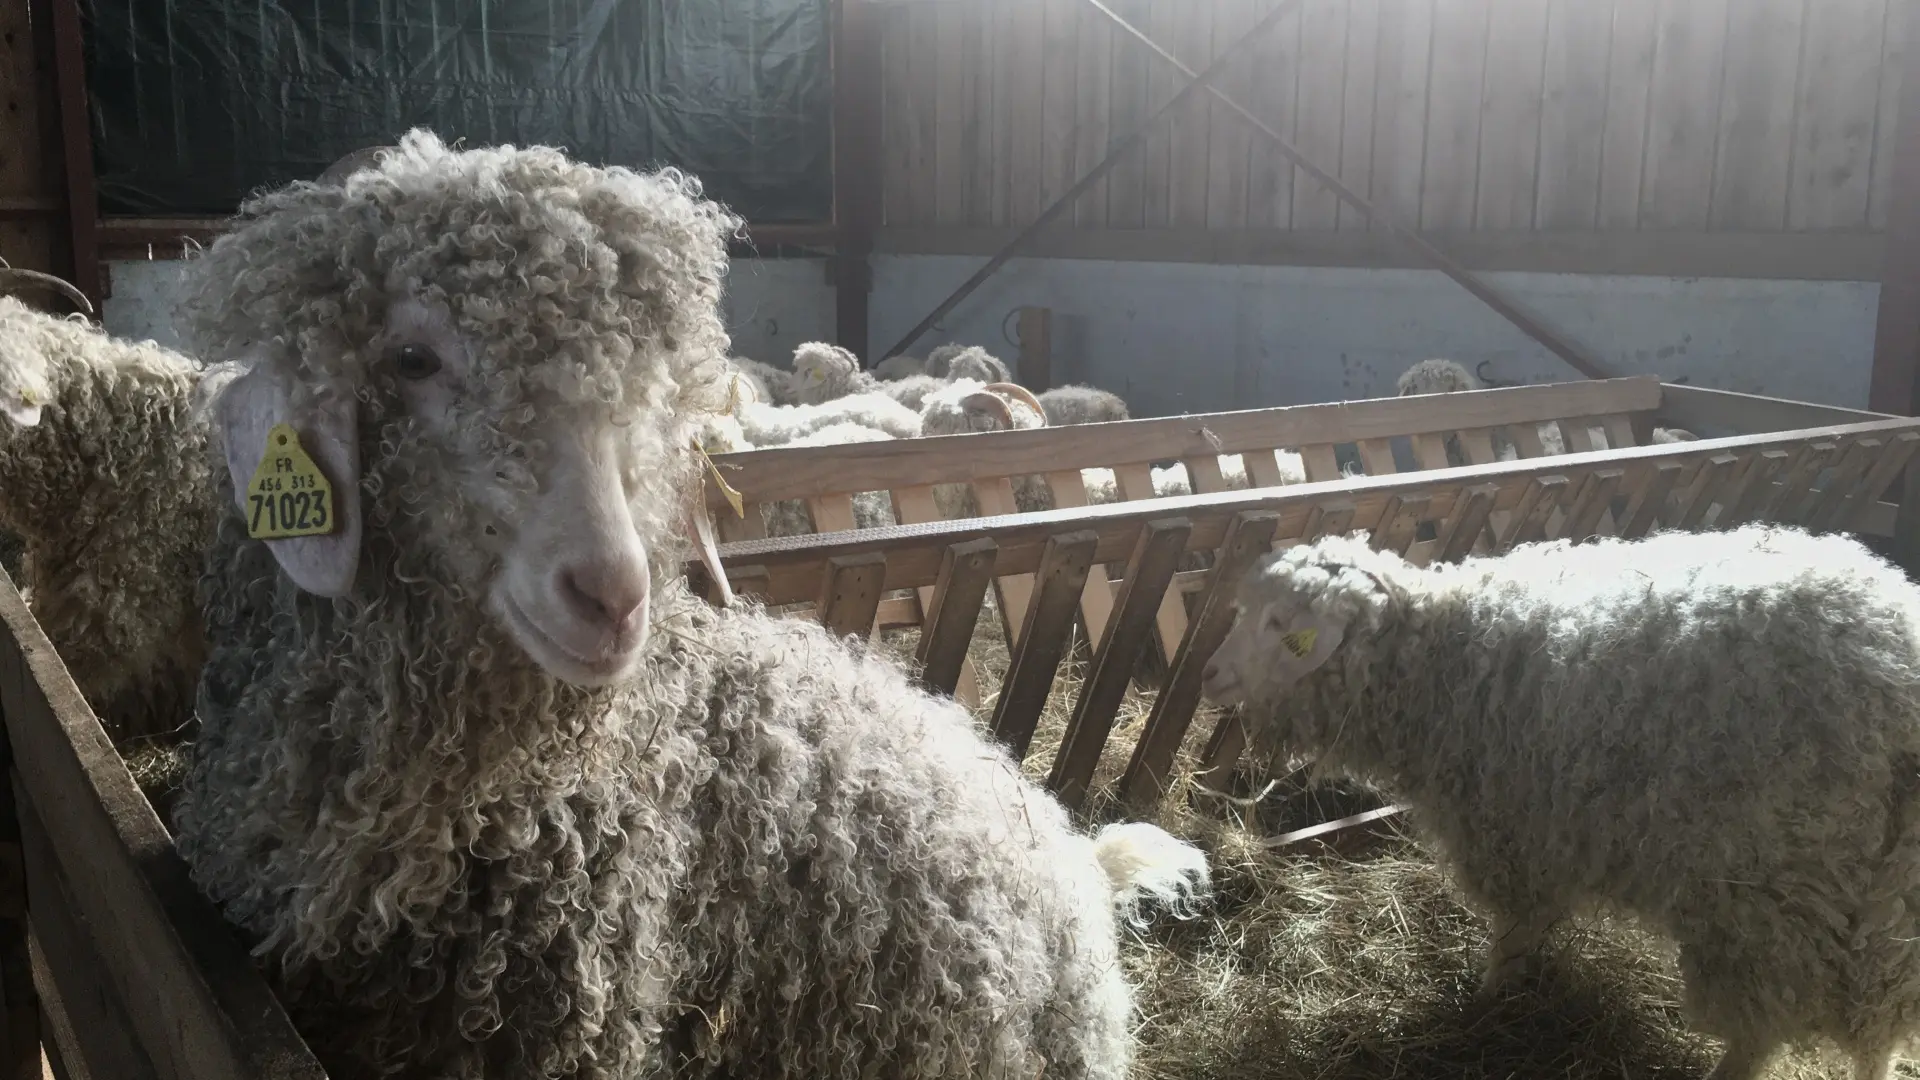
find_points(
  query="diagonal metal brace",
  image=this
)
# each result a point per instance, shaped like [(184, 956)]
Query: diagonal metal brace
[(1115, 151), (1440, 260)]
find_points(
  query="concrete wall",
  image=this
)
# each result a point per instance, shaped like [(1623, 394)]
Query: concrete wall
[(772, 305), (1175, 338), (1183, 337)]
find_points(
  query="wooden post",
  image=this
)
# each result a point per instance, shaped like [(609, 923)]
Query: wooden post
[(1895, 387), (76, 140), (20, 1036), (856, 168), (1036, 348)]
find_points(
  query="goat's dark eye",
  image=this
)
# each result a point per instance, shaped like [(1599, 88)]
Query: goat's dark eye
[(415, 361)]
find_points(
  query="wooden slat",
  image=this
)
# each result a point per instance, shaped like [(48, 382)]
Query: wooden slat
[(898, 613), (1149, 570), (965, 570), (1573, 116), (1756, 114), (1192, 42), (1399, 523), (850, 594), (1846, 476), (1013, 592), (831, 513), (1619, 431), (1376, 455), (1454, 111), (1785, 502), (1892, 461), (1893, 53), (1400, 108), (194, 998), (1096, 600), (1093, 67), (1322, 86), (979, 51), (1263, 468), (1529, 520), (1276, 76), (1249, 537), (1526, 439), (1510, 116), (1649, 505), (915, 505), (1585, 515), (1677, 189), (1229, 139), (1023, 694), (1129, 97), (1576, 435), (1467, 523), (1320, 463), (1430, 451), (1624, 137), (1203, 474), (1165, 19), (1061, 30), (1756, 485), (1832, 150), (1357, 112), (1025, 108), (954, 64), (1716, 474), (91, 1028)]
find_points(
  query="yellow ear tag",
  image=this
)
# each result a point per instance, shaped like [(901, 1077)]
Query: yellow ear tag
[(1300, 642), (288, 496)]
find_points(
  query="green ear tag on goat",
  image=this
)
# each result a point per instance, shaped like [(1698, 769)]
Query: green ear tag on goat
[(1300, 642), (288, 496)]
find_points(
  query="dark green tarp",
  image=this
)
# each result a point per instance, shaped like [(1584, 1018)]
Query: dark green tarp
[(198, 102)]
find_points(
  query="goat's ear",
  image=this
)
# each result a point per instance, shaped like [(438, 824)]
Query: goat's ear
[(1306, 643), (244, 413)]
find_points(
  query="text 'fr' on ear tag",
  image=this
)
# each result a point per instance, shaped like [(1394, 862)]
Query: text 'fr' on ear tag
[(288, 496), (1300, 642)]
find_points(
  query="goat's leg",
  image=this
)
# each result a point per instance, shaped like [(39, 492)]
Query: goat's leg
[(1516, 946)]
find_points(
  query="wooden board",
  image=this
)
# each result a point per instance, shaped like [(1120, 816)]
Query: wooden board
[(1357, 109), (1573, 115), (1400, 110), (1318, 112), (1832, 139), (1093, 72), (1276, 74), (1756, 114), (1623, 147), (1684, 113), (1453, 113), (190, 990), (1229, 136), (1511, 111)]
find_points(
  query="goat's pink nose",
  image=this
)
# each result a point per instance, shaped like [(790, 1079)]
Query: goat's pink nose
[(603, 595)]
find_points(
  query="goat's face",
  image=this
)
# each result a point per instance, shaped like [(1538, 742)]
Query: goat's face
[(503, 392), (1291, 615), (549, 501)]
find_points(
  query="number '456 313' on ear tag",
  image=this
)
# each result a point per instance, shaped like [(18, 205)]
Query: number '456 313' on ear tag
[(288, 496)]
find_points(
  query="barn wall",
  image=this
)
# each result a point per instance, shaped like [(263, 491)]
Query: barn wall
[(1175, 338), (1558, 116)]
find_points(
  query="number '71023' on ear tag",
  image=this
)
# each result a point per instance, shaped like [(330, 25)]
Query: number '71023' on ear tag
[(288, 496), (1300, 642)]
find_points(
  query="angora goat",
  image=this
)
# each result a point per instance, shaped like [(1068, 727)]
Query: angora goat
[(1718, 733), (113, 553), (489, 789), (967, 406), (1082, 405)]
